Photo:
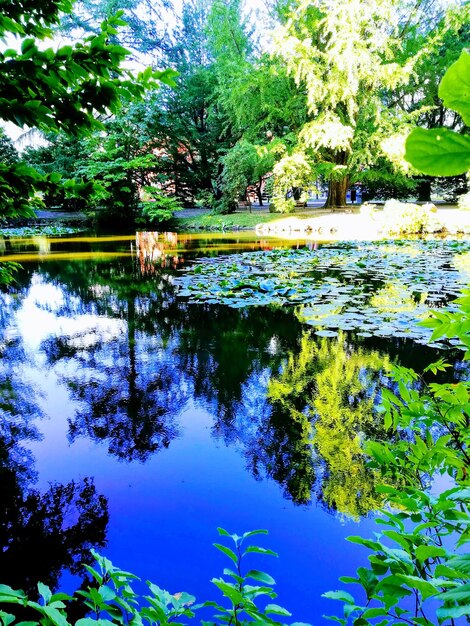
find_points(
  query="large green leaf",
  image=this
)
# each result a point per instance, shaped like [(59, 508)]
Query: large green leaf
[(452, 612), (460, 563), (438, 152), (455, 87), (460, 594)]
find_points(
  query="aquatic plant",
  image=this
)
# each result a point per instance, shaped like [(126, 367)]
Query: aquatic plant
[(338, 286)]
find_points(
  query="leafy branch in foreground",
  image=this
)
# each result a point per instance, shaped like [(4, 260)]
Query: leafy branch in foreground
[(420, 566), (242, 595), (112, 599), (440, 151)]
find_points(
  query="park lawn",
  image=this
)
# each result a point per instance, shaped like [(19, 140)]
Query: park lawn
[(239, 220)]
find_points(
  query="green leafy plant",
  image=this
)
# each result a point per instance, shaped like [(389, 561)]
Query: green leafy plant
[(160, 209), (111, 599), (420, 565), (241, 593), (440, 151), (204, 199), (7, 272)]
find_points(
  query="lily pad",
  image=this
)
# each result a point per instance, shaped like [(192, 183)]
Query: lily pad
[(326, 333), (372, 288)]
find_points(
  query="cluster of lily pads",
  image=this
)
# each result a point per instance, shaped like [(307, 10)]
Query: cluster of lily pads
[(375, 289), (34, 231)]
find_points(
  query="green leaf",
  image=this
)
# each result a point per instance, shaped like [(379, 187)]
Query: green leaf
[(27, 45), (368, 580), (96, 575), (258, 550), (455, 87), (452, 612), (55, 177), (88, 621), (459, 594), (344, 596), (277, 610), (426, 589), (230, 553), (230, 591), (61, 596), (438, 151), (229, 572), (250, 533), (106, 593), (44, 592), (461, 563), (261, 576), (428, 552), (5, 590), (443, 570), (56, 617), (375, 612), (6, 618), (368, 543)]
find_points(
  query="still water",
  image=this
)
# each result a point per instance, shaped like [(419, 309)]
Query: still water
[(135, 422)]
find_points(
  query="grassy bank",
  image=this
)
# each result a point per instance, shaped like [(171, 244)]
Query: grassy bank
[(240, 220), (371, 222)]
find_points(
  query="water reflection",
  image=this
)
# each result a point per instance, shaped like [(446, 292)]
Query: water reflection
[(49, 530), (297, 406), (133, 358)]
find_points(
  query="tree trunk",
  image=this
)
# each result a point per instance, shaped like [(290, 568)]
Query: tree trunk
[(424, 189), (337, 193)]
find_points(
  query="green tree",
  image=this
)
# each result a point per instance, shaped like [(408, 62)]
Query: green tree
[(345, 57), (419, 99), (61, 155), (145, 30), (119, 164), (8, 152), (184, 126), (266, 110), (57, 90), (245, 164)]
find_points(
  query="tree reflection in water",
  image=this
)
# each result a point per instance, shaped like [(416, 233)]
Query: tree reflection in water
[(308, 432), (129, 391), (48, 531), (297, 405)]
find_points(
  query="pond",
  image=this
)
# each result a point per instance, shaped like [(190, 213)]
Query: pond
[(157, 386)]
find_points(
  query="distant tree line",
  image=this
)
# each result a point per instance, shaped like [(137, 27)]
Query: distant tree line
[(331, 101)]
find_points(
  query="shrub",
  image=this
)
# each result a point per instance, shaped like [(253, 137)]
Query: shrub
[(160, 209), (204, 199), (408, 218)]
